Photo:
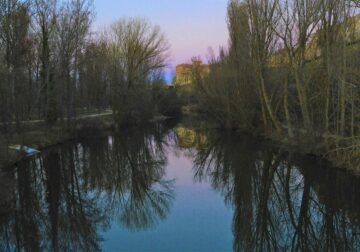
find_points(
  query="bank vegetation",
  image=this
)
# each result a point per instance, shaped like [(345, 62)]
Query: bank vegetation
[(292, 69)]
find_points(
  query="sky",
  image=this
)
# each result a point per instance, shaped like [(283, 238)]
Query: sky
[(190, 26)]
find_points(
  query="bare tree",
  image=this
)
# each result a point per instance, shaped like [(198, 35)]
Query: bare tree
[(14, 36), (73, 26), (138, 49), (299, 19), (45, 25), (262, 18)]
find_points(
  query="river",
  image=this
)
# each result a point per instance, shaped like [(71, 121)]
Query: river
[(177, 187)]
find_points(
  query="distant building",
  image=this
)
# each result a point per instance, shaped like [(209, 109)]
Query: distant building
[(184, 72)]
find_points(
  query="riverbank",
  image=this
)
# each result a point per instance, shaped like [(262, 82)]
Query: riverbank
[(343, 153), (37, 135)]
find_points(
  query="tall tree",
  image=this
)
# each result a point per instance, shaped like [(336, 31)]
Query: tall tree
[(138, 49), (72, 29), (14, 35), (263, 17), (45, 18)]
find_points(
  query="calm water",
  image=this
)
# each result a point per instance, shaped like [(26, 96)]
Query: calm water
[(175, 188)]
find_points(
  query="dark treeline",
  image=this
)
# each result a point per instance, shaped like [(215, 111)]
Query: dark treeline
[(292, 66), (53, 67)]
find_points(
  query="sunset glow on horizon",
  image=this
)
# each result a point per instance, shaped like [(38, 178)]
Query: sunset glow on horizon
[(191, 27)]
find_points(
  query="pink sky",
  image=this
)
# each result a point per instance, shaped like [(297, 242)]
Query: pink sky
[(191, 26)]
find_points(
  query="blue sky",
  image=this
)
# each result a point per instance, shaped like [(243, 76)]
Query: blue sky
[(191, 26)]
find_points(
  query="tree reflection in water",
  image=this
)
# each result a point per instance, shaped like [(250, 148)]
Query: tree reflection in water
[(60, 200), (281, 203), (131, 171)]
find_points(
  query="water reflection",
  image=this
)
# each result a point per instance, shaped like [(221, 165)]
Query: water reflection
[(60, 201), (130, 168), (65, 199), (281, 202)]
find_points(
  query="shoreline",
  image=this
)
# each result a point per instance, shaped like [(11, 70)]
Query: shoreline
[(43, 138), (315, 146), (86, 127), (323, 147)]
